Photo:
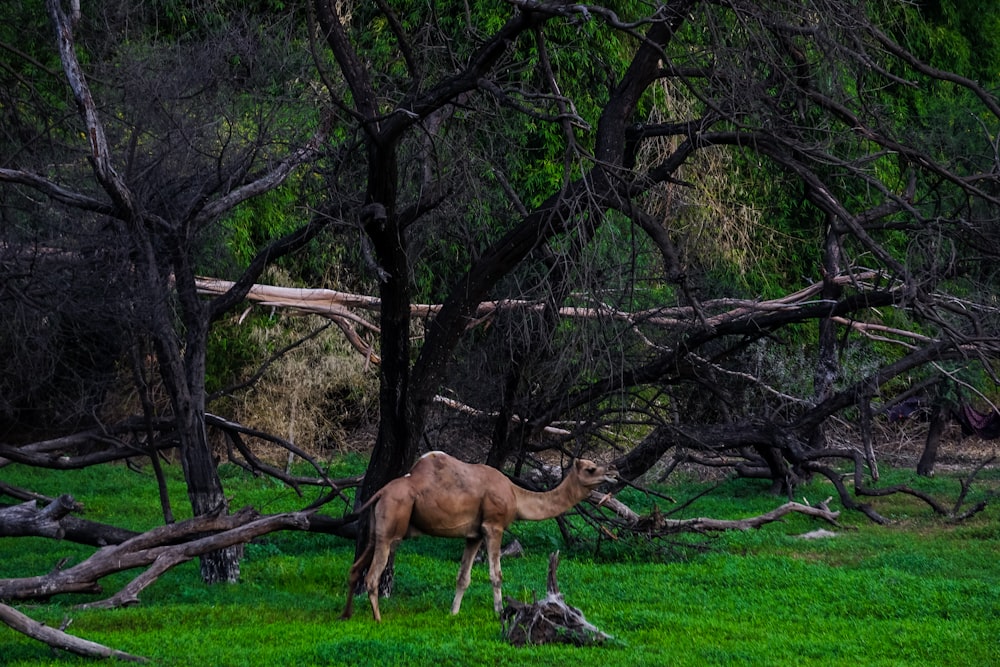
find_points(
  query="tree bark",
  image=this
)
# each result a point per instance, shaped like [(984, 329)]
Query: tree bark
[(939, 419), (656, 523), (827, 367), (53, 521)]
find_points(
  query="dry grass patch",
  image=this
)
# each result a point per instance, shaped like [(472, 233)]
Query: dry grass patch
[(317, 394)]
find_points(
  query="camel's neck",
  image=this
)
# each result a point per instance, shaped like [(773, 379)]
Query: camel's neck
[(534, 506)]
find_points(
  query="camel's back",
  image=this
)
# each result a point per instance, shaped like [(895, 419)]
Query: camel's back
[(440, 472), (450, 495)]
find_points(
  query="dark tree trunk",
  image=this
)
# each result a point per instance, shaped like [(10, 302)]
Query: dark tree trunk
[(827, 368), (782, 480), (396, 444), (502, 446), (645, 455), (939, 419), (207, 496), (183, 375)]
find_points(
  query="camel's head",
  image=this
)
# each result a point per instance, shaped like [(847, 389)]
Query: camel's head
[(592, 475)]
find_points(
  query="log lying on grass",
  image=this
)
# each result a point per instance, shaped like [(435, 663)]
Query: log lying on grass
[(549, 620), (54, 520), (157, 550), (60, 640), (657, 524)]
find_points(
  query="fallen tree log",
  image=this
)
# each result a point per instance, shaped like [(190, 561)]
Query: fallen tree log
[(53, 519), (161, 548), (656, 523), (60, 640), (28, 519)]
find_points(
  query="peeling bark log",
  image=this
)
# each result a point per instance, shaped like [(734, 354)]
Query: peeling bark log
[(548, 620), (27, 519)]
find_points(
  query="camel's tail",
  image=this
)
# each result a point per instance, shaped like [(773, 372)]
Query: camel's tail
[(363, 561)]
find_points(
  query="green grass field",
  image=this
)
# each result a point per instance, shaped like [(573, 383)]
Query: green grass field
[(918, 592)]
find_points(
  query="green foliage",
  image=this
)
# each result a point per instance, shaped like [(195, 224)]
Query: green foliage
[(954, 35), (182, 20), (257, 221), (499, 158), (231, 353), (917, 592), (31, 88), (951, 35)]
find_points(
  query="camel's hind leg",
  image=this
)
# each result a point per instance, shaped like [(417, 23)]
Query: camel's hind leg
[(465, 571), (494, 536), (382, 551), (355, 576)]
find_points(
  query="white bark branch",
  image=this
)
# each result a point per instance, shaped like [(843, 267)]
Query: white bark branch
[(334, 304), (100, 153), (656, 523)]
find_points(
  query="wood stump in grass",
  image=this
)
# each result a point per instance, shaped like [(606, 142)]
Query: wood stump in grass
[(549, 620)]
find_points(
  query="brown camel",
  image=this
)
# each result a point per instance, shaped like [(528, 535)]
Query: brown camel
[(444, 497)]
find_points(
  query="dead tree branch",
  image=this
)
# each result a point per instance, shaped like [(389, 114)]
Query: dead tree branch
[(58, 639), (161, 547), (656, 523), (52, 519)]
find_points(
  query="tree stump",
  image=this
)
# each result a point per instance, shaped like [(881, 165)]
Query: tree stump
[(549, 620)]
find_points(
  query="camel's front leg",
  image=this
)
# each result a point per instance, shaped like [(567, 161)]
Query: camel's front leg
[(465, 571), (494, 536)]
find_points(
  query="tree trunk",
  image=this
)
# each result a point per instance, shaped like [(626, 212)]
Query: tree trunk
[(184, 378), (500, 445), (396, 444), (939, 419), (827, 368)]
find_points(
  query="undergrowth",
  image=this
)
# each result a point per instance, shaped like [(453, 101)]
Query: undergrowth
[(919, 591)]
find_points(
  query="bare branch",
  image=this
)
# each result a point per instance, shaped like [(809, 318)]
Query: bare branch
[(173, 544), (56, 191), (58, 639)]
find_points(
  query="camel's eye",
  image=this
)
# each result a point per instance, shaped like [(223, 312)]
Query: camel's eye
[(591, 470)]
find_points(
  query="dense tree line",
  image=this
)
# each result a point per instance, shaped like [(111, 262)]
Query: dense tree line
[(715, 227)]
